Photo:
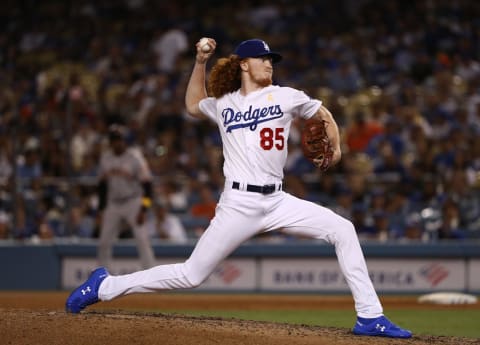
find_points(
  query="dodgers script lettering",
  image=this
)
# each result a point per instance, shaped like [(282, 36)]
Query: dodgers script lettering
[(251, 118)]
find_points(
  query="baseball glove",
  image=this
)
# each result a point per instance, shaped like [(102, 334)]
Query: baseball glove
[(316, 145)]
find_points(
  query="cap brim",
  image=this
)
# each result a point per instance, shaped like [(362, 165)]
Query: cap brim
[(275, 56)]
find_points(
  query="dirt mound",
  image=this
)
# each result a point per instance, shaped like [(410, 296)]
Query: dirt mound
[(39, 319), (44, 327)]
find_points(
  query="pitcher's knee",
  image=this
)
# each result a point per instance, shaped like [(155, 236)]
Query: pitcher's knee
[(195, 279), (346, 230), (193, 273)]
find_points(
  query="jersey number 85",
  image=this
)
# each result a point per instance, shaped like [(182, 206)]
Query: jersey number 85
[(270, 138)]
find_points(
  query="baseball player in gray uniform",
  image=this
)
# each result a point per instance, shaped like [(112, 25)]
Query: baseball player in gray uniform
[(254, 119), (125, 194)]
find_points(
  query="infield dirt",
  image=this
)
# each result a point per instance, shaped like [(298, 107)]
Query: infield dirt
[(38, 318)]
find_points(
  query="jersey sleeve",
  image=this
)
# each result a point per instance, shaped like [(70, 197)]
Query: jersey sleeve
[(208, 106), (303, 105), (144, 171)]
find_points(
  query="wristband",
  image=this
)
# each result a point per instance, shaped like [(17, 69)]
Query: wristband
[(146, 202)]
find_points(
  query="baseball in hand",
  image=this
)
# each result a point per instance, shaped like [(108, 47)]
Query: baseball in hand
[(204, 46)]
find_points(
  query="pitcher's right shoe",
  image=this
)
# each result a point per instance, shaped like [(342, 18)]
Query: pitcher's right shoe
[(380, 327), (87, 293)]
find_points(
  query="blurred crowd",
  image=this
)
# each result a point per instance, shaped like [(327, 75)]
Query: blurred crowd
[(401, 77)]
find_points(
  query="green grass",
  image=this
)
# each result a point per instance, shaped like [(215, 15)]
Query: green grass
[(455, 322)]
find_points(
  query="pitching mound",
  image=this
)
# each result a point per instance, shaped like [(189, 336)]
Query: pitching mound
[(29, 321)]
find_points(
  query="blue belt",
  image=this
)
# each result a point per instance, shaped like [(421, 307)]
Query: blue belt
[(266, 189)]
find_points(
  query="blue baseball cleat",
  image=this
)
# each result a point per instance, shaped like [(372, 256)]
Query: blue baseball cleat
[(87, 293), (380, 327)]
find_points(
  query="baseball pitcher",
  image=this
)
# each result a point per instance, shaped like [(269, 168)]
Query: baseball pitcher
[(254, 119)]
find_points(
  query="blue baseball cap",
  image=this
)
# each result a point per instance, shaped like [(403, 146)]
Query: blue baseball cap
[(255, 48)]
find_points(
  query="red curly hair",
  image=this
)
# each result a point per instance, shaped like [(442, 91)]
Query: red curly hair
[(224, 77)]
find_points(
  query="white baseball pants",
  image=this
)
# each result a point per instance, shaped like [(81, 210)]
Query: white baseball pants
[(241, 215)]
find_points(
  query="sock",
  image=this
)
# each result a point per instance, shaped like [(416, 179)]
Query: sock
[(366, 321)]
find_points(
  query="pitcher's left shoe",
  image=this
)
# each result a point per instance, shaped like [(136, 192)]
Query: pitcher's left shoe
[(87, 293), (380, 327)]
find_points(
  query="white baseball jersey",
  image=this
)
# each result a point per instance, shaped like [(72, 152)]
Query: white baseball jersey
[(255, 129)]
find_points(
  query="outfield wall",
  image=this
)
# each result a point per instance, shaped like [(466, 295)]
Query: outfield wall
[(256, 267)]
